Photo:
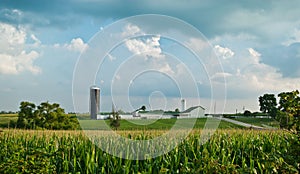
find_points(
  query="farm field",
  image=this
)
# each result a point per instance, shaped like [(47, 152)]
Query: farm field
[(227, 151), (263, 122), (161, 124), (126, 124)]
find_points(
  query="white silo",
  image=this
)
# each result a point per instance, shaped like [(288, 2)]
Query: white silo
[(94, 101), (183, 105)]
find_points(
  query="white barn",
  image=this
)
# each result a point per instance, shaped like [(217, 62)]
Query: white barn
[(193, 112)]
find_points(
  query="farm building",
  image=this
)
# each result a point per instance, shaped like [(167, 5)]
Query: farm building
[(195, 111)]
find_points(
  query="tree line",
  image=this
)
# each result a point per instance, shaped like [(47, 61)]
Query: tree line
[(44, 116), (286, 111)]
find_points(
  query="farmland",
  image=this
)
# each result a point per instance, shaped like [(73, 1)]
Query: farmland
[(227, 151), (231, 149)]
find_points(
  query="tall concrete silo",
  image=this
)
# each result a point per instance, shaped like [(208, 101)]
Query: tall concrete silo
[(183, 105), (94, 101)]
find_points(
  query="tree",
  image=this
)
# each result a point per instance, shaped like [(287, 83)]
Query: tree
[(115, 119), (44, 116), (268, 104), (289, 110), (143, 108), (247, 113), (26, 116)]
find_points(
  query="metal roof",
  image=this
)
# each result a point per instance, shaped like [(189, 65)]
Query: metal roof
[(192, 108)]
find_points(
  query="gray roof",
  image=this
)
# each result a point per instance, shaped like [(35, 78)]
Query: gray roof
[(192, 108)]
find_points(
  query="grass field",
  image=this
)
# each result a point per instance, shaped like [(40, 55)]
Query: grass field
[(156, 125), (5, 119), (127, 124), (227, 151), (262, 122)]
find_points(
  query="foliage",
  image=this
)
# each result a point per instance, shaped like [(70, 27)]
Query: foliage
[(289, 110), (115, 120), (143, 108), (227, 151), (44, 116), (268, 104), (247, 113)]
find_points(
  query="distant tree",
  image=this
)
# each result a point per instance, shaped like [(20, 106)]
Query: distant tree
[(44, 116), (143, 108), (247, 113), (115, 120), (120, 111), (177, 110), (268, 104)]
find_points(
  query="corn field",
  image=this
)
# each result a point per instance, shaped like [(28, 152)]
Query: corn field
[(227, 151)]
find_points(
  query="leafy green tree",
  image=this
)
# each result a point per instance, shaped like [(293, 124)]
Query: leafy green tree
[(247, 113), (289, 109), (115, 120), (268, 104), (26, 115), (44, 116)]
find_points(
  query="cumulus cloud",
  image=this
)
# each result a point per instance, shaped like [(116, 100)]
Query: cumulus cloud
[(253, 77), (130, 30), (148, 47), (14, 59), (76, 44), (223, 52)]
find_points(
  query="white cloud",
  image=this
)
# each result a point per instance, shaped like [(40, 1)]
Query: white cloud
[(11, 38), (11, 14), (223, 52), (166, 69), (149, 47), (14, 59), (197, 44), (293, 38), (15, 64), (254, 77), (130, 30), (37, 42), (76, 44)]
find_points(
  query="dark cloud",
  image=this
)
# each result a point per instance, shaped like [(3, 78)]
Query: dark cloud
[(285, 58), (210, 17)]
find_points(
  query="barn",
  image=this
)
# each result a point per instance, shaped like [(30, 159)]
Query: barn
[(193, 112)]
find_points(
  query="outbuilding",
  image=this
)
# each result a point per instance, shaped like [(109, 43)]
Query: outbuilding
[(193, 112)]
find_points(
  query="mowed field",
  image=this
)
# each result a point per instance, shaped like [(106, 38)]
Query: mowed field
[(229, 150)]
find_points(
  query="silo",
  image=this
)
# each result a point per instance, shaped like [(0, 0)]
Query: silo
[(94, 101), (183, 105)]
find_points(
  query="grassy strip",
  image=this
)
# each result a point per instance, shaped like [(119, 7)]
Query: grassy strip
[(259, 121)]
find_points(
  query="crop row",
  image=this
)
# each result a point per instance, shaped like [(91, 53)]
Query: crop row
[(227, 151)]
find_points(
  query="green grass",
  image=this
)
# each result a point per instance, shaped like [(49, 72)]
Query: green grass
[(6, 118), (161, 124), (263, 122)]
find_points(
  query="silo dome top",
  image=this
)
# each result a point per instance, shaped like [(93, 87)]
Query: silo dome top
[(94, 87)]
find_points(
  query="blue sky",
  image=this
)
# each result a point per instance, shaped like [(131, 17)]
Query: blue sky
[(257, 44)]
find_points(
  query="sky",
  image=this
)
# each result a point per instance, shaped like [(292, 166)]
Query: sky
[(43, 45)]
